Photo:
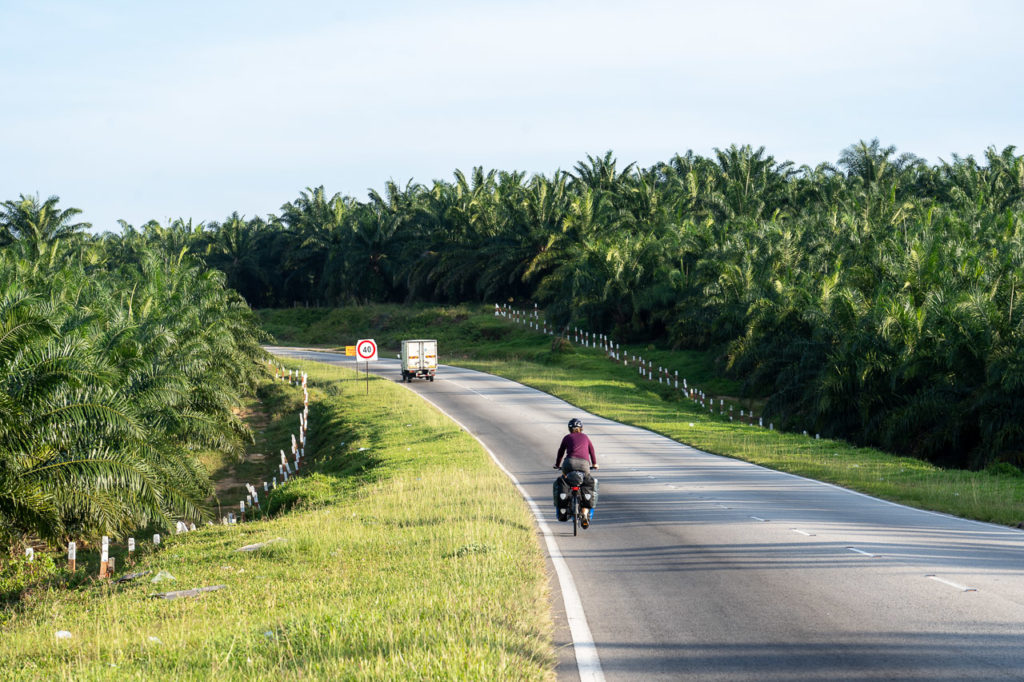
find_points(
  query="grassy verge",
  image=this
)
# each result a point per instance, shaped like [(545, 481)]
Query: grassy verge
[(471, 337), (404, 554)]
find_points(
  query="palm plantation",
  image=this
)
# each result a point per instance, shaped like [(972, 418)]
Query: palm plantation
[(877, 299), (118, 362)]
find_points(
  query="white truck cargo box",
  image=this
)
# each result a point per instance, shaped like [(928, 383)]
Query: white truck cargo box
[(419, 359)]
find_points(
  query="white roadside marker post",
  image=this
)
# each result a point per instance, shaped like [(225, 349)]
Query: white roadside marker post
[(104, 556), (72, 552)]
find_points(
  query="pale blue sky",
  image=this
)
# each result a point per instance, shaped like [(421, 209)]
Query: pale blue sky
[(140, 110)]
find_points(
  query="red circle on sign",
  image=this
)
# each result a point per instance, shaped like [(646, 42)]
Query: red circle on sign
[(366, 350)]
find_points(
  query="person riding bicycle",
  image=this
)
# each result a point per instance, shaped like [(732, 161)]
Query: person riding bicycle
[(576, 453)]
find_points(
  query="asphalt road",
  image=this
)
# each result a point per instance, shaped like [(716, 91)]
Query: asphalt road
[(706, 568)]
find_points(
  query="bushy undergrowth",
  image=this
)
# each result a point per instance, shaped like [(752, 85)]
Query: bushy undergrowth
[(19, 574), (467, 331)]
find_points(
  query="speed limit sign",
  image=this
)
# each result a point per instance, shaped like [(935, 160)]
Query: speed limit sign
[(366, 350)]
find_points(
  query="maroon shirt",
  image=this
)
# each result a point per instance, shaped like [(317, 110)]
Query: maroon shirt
[(576, 445)]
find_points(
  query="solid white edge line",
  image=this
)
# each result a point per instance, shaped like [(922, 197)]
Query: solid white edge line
[(587, 661)]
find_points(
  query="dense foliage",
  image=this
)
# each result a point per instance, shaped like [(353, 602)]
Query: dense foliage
[(118, 359), (876, 299)]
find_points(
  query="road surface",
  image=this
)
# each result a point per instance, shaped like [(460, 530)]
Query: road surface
[(699, 567)]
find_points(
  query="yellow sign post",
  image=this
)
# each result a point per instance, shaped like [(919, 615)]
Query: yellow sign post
[(350, 350)]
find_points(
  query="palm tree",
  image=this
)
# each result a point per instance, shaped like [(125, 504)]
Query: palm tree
[(33, 224)]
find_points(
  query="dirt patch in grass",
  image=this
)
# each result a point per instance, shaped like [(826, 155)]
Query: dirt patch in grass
[(228, 482)]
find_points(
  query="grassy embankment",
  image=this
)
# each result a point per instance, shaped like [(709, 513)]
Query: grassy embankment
[(405, 554), (470, 336)]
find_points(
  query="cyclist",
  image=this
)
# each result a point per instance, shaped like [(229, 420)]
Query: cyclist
[(576, 453)]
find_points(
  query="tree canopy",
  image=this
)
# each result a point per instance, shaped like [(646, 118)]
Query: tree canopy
[(875, 299)]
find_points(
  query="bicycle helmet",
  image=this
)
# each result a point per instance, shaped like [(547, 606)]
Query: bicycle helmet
[(575, 423)]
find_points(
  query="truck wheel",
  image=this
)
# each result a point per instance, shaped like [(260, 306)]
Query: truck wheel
[(431, 378)]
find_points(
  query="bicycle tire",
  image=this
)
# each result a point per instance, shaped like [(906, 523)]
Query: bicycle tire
[(575, 510)]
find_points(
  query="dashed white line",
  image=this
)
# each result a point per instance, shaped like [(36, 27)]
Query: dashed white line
[(758, 518), (958, 586), (860, 551), (802, 532)]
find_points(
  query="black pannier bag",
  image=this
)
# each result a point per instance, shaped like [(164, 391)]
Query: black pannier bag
[(588, 491), (560, 493)]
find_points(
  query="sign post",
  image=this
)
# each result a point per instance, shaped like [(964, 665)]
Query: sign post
[(366, 350)]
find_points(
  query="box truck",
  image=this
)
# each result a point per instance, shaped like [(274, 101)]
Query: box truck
[(419, 359)]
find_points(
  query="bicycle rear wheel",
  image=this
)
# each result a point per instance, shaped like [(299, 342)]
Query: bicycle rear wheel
[(575, 511)]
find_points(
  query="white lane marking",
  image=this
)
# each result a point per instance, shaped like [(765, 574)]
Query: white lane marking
[(962, 588), (649, 476), (485, 397), (758, 518), (802, 532), (670, 486), (860, 551), (588, 663), (721, 506)]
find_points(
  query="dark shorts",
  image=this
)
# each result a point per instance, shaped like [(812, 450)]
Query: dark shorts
[(575, 464)]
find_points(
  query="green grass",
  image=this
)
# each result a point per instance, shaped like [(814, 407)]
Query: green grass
[(413, 558), (472, 337)]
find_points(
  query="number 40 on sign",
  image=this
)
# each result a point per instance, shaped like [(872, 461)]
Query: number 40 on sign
[(366, 350)]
